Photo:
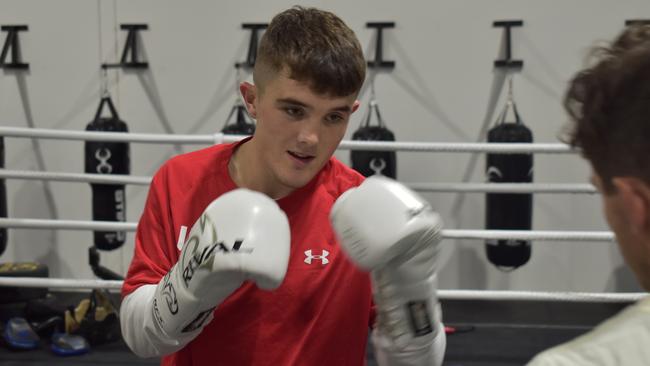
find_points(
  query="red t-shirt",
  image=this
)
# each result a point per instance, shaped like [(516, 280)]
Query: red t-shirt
[(318, 316)]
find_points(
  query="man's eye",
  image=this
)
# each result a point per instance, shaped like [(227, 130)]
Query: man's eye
[(293, 112), (333, 118)]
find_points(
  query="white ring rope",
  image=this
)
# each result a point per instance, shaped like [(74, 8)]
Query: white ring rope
[(422, 187), (546, 235), (446, 234), (540, 296), (549, 148), (38, 282), (75, 177), (505, 187), (456, 147), (67, 224), (45, 133)]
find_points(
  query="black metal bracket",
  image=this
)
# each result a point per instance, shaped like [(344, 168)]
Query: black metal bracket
[(379, 61), (99, 270), (637, 22), (11, 42), (508, 62), (255, 29), (130, 48)]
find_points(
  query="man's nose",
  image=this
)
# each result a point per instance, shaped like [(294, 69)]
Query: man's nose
[(309, 132)]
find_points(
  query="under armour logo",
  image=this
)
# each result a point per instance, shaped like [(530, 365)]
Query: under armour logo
[(322, 257), (103, 155)]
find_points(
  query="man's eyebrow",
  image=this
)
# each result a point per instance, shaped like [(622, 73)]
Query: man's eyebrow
[(343, 108), (291, 101)]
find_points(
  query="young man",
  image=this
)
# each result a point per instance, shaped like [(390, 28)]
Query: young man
[(610, 106), (261, 278)]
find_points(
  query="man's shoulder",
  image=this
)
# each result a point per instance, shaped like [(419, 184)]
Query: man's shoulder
[(188, 167), (341, 176), (622, 337), (206, 155)]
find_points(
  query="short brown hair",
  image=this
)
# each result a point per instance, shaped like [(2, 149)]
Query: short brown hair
[(313, 46), (609, 103)]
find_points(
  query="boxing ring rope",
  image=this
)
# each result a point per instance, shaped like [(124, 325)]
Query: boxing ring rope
[(547, 148), (604, 297), (546, 235), (75, 177), (575, 188), (611, 297), (45, 133)]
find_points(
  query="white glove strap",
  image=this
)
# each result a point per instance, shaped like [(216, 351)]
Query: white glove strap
[(430, 353), (407, 313)]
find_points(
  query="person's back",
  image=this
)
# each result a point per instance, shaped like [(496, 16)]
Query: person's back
[(620, 340), (609, 103)]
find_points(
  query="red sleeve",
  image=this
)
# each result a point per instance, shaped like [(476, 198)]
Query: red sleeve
[(155, 250)]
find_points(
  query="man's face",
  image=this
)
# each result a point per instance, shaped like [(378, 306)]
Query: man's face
[(630, 239), (297, 130)]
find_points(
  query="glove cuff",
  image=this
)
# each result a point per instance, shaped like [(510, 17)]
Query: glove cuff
[(407, 313)]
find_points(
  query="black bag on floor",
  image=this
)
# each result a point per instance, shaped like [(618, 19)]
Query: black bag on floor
[(15, 294)]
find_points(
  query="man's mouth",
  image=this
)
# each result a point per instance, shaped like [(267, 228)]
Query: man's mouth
[(305, 158)]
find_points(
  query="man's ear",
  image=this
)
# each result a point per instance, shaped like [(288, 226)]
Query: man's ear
[(249, 94), (355, 105), (635, 197)]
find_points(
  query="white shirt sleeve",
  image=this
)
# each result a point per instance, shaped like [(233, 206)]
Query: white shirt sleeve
[(140, 330)]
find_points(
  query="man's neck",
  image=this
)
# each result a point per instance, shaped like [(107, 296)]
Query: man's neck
[(247, 169)]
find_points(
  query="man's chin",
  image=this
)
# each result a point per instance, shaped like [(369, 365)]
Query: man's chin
[(299, 181)]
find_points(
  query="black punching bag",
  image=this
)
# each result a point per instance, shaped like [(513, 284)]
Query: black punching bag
[(109, 200), (242, 126), (374, 162), (509, 211), (3, 198)]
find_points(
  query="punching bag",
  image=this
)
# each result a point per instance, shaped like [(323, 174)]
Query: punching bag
[(3, 198), (374, 162), (109, 200), (509, 211), (242, 126)]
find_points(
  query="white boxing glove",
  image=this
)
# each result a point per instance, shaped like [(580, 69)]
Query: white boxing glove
[(242, 235), (389, 230)]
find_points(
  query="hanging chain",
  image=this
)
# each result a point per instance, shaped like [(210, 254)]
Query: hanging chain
[(104, 83), (510, 101), (238, 96)]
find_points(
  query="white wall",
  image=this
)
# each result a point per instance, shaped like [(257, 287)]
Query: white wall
[(439, 91)]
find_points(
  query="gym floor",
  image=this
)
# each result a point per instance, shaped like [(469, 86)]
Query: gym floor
[(487, 333)]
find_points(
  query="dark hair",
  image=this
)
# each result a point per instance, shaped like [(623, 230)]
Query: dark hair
[(609, 103), (315, 47)]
